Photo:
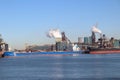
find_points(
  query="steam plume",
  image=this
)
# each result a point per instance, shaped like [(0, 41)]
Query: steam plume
[(54, 33), (96, 30)]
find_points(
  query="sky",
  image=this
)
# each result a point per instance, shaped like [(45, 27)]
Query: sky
[(27, 21)]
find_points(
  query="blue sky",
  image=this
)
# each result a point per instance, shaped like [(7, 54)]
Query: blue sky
[(27, 21)]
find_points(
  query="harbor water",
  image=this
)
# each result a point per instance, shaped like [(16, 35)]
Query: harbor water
[(68, 67)]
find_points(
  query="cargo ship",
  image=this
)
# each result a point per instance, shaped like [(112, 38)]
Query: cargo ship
[(62, 47), (55, 53), (103, 51), (102, 45)]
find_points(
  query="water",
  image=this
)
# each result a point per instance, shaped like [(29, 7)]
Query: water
[(77, 67)]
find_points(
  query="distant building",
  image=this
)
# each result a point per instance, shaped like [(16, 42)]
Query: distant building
[(80, 40), (116, 43), (86, 40), (39, 48)]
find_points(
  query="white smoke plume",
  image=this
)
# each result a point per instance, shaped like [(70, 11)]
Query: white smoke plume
[(96, 30), (54, 33)]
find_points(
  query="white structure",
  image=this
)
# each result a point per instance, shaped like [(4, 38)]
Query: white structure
[(76, 48)]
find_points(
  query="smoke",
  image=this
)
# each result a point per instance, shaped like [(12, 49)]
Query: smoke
[(96, 30), (54, 33)]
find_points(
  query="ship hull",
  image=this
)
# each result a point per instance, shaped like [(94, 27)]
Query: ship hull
[(105, 51), (61, 53)]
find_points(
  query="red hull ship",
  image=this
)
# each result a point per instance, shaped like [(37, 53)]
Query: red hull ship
[(103, 45), (105, 51)]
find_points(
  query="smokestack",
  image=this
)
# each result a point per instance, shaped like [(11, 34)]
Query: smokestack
[(93, 37), (63, 36)]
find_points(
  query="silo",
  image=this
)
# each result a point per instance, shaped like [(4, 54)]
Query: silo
[(85, 40), (58, 43), (90, 40), (116, 44)]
